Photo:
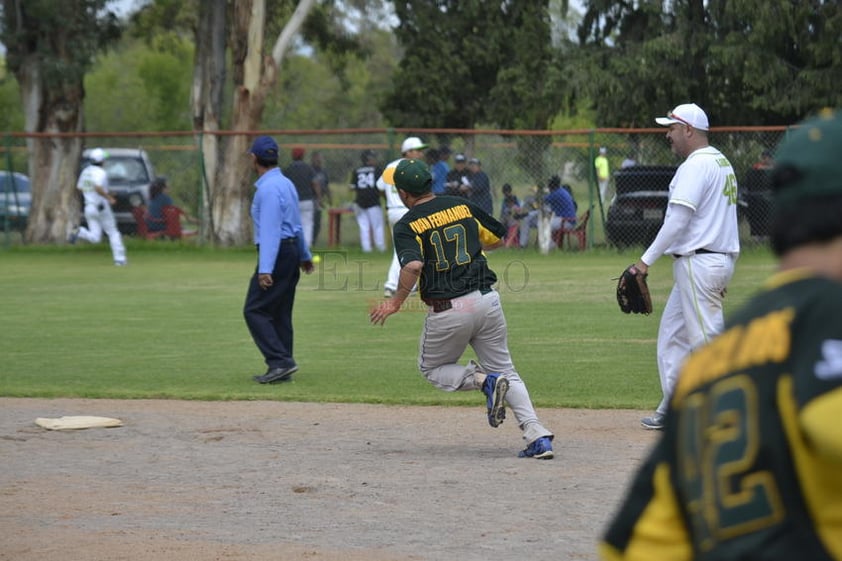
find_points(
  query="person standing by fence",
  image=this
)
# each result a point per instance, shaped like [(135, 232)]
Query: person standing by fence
[(369, 213), (303, 177), (603, 174)]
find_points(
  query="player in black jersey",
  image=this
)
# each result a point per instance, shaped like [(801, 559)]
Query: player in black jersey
[(749, 466), (439, 243)]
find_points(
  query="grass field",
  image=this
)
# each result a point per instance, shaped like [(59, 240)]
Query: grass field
[(170, 326)]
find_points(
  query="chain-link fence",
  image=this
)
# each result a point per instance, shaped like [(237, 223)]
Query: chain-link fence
[(627, 211)]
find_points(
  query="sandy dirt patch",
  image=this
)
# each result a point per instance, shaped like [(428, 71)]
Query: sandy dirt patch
[(257, 481)]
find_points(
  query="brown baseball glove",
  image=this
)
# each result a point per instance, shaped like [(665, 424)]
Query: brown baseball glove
[(633, 292)]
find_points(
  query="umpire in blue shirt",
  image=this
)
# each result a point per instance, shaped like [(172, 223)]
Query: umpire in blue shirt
[(282, 254)]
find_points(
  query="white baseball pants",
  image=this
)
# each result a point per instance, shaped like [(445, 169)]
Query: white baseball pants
[(394, 214), (100, 221), (370, 221), (693, 314)]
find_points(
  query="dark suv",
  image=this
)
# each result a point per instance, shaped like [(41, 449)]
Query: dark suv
[(130, 173), (637, 212)]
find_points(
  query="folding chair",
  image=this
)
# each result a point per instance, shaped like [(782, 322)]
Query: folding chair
[(140, 216), (580, 232), (172, 217)]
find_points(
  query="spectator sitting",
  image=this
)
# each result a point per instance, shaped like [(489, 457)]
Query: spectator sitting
[(158, 199), (510, 207), (560, 201), (766, 160)]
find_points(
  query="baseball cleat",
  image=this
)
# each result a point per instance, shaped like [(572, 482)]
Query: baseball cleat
[(73, 235), (540, 449), (655, 422), (495, 388)]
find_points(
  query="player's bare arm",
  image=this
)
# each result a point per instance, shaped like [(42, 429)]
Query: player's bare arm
[(408, 277)]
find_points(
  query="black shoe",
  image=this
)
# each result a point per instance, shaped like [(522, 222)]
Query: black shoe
[(275, 375)]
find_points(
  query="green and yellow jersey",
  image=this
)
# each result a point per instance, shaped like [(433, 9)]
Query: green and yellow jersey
[(447, 234), (749, 465)]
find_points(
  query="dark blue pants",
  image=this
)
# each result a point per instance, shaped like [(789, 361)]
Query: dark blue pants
[(268, 313)]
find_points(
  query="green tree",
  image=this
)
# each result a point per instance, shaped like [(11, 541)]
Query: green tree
[(470, 63), (50, 47), (760, 62)]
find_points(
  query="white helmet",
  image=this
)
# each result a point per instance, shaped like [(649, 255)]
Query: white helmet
[(97, 156)]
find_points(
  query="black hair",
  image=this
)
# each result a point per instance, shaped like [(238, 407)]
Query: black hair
[(157, 187), (554, 183), (366, 154), (266, 163), (507, 188), (805, 221)]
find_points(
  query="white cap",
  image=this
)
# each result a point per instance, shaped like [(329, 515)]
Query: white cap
[(603, 150), (686, 114), (97, 155), (412, 143)]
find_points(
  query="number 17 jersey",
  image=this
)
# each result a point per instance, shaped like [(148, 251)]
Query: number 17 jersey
[(447, 234)]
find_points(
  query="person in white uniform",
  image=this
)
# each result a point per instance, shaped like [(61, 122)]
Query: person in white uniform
[(93, 182), (411, 148), (700, 234)]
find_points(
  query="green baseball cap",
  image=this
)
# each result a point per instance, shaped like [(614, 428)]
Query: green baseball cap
[(808, 162), (413, 176)]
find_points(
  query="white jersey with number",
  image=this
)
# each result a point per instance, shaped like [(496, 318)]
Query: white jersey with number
[(90, 177), (706, 183), (386, 183)]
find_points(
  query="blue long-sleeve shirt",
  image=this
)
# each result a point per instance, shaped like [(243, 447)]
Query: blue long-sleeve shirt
[(274, 211)]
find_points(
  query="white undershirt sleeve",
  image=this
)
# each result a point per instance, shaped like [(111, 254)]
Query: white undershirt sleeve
[(675, 221)]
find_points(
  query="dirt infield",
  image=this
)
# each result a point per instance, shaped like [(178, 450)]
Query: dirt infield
[(255, 481)]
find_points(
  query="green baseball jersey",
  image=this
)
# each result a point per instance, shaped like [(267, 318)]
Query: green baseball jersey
[(447, 234), (749, 465)]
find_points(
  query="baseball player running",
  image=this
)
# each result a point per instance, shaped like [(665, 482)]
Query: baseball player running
[(748, 464), (412, 147), (700, 233), (440, 242), (93, 182)]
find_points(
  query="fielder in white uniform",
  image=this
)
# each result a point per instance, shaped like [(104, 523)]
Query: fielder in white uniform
[(700, 233), (411, 148), (93, 182)]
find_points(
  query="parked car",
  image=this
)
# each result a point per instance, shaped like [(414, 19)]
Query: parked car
[(130, 173), (637, 212), (15, 201)]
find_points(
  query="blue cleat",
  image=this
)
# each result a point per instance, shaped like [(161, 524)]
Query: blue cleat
[(495, 388), (540, 449)]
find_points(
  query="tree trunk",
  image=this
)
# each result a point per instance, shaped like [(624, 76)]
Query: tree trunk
[(254, 76), (53, 161), (208, 85)]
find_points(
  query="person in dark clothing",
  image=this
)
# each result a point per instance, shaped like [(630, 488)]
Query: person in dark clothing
[(303, 177)]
